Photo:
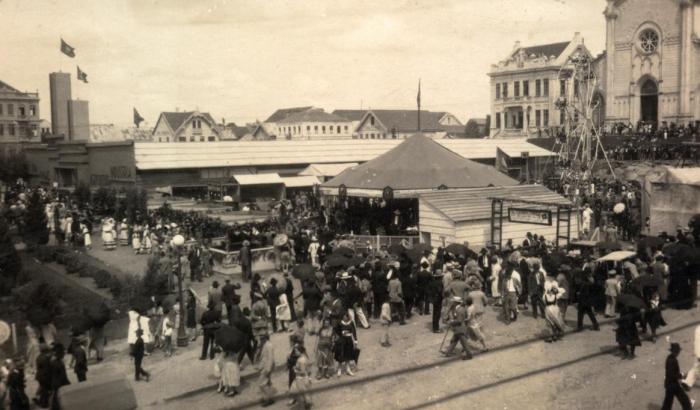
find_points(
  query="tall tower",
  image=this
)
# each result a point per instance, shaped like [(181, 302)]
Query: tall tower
[(78, 120), (59, 84)]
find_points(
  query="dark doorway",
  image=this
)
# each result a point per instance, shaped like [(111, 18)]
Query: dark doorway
[(649, 95)]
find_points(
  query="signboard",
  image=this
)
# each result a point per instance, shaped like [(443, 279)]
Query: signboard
[(530, 216)]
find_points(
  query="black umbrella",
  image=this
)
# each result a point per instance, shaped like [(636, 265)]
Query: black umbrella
[(457, 249), (335, 261), (632, 301), (422, 247), (676, 248), (230, 338), (396, 249), (650, 242), (646, 281), (304, 271), (343, 251), (414, 255)]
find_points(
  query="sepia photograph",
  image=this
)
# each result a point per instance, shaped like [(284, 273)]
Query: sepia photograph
[(349, 204)]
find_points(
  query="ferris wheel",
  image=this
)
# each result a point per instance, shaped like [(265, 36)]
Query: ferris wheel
[(579, 145)]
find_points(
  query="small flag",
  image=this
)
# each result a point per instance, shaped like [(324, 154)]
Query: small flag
[(137, 118), (66, 49), (82, 76)]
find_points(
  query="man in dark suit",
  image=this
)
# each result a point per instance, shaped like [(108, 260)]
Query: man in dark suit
[(436, 294), (524, 270), (423, 278), (672, 381), (210, 321), (536, 289), (484, 262), (229, 296), (245, 326), (586, 299), (246, 259)]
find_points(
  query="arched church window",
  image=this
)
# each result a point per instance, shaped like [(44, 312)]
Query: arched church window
[(648, 40), (649, 88)]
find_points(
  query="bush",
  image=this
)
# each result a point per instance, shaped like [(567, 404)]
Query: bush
[(10, 263), (45, 254), (40, 302), (74, 264), (115, 286), (61, 255), (102, 278)]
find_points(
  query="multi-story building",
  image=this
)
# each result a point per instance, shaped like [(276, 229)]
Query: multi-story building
[(526, 85), (313, 124), (270, 127), (401, 124), (190, 126), (19, 115), (651, 67)]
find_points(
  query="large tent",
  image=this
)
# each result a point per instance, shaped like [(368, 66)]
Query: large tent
[(418, 164)]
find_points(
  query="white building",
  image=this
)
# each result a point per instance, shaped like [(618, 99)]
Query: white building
[(313, 124), (191, 126)]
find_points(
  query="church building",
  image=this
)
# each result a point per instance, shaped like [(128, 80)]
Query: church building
[(651, 67)]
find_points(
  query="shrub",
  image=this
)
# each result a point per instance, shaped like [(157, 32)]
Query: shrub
[(115, 286), (74, 264), (40, 302), (36, 228), (102, 278), (10, 263), (62, 254), (45, 254)]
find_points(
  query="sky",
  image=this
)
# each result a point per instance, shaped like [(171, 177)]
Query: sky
[(241, 60)]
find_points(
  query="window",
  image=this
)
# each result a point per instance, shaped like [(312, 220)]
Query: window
[(212, 139), (561, 117), (167, 139), (575, 87), (537, 118), (505, 90), (538, 87), (526, 88), (562, 87), (648, 40), (308, 128), (315, 129), (11, 128), (545, 87), (545, 118), (192, 138), (160, 139), (330, 129), (346, 128), (516, 89), (10, 109), (498, 120), (22, 110), (498, 91), (323, 129), (196, 124), (371, 120), (201, 138), (2, 129), (32, 111), (338, 130)]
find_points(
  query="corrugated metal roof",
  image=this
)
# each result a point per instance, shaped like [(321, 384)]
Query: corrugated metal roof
[(474, 204), (327, 170), (300, 181), (258, 179), (177, 155)]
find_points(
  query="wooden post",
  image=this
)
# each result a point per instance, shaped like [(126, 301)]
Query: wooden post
[(14, 338)]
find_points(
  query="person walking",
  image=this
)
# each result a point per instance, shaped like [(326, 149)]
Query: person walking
[(536, 289), (436, 294), (229, 296), (475, 302), (246, 260), (138, 352), (58, 376), (80, 366), (266, 365), (396, 296), (672, 381), (302, 380), (324, 350), (512, 288), (210, 321), (345, 344), (612, 291), (586, 299), (457, 319), (272, 295), (690, 378)]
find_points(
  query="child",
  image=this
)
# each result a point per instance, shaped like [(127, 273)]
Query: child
[(168, 334), (654, 317), (80, 358), (385, 317)]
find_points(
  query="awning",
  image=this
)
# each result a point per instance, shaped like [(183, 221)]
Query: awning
[(617, 256), (300, 181), (258, 179)]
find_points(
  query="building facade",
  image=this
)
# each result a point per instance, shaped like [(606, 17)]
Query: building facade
[(651, 66), (270, 125), (314, 124), (19, 115), (401, 124), (526, 85), (190, 126)]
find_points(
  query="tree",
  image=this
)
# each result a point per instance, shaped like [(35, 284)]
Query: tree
[(105, 201), (40, 302), (13, 166), (155, 281), (471, 130), (36, 229), (10, 263), (83, 195), (487, 127)]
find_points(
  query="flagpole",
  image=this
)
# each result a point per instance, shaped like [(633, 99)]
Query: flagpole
[(418, 101)]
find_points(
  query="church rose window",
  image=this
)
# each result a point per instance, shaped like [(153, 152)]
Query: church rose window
[(648, 40)]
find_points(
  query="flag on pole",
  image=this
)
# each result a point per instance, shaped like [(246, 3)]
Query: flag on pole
[(137, 118), (66, 49), (82, 76)]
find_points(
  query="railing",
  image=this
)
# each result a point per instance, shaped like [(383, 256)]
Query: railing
[(361, 242), (229, 260)]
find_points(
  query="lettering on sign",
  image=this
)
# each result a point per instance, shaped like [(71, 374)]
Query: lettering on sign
[(530, 216), (119, 172)]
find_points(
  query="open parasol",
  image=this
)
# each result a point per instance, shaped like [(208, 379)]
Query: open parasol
[(346, 243), (280, 240), (304, 271), (343, 251), (632, 301), (230, 338), (457, 249)]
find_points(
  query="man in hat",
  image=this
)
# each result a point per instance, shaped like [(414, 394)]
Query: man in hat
[(536, 289), (138, 352), (210, 321), (458, 317), (59, 378), (246, 260), (229, 296), (396, 294), (436, 293), (81, 364), (586, 299), (672, 381), (422, 283), (43, 375)]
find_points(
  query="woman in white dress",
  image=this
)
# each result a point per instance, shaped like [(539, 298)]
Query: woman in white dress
[(87, 239), (124, 233), (146, 243), (108, 238), (495, 279), (552, 314)]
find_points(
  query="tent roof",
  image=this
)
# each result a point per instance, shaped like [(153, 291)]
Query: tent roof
[(327, 170), (300, 181), (420, 163)]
